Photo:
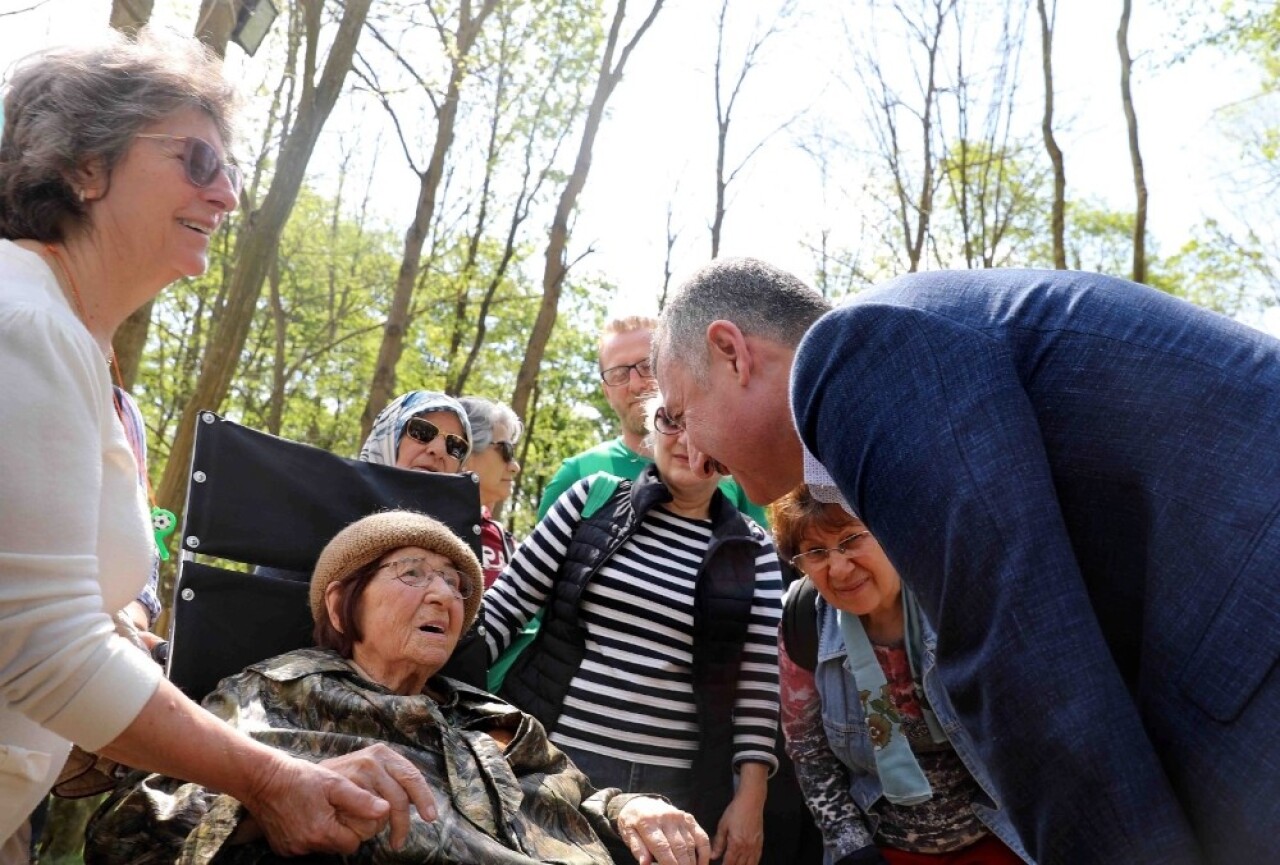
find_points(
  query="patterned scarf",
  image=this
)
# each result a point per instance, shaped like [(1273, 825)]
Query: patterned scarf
[(383, 442), (901, 777)]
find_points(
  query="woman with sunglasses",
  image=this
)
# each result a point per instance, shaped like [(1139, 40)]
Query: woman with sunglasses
[(656, 664), (495, 429), (422, 430), (113, 178), (864, 723)]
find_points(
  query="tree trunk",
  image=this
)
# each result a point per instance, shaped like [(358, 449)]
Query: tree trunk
[(259, 236), (1135, 153), (1058, 218), (383, 386), (130, 16), (556, 267), (217, 20)]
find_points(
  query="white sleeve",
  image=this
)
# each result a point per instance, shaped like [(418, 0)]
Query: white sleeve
[(61, 664)]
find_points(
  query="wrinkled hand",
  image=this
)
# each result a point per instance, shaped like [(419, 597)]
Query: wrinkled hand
[(740, 835), (306, 808), (656, 832), (388, 775)]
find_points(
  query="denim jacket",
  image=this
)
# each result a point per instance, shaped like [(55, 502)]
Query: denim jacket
[(845, 727)]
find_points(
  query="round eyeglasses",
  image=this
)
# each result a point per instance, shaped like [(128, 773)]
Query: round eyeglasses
[(666, 424), (417, 574), (818, 560), (201, 162)]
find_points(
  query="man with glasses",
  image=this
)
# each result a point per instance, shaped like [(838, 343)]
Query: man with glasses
[(628, 383), (1078, 477)]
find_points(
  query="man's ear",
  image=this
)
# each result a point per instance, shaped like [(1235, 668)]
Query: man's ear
[(728, 345), (332, 597)]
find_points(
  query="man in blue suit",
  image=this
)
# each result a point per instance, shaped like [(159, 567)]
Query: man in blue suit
[(1079, 477)]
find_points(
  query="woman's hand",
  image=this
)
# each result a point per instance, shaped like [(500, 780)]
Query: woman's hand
[(304, 808), (385, 773), (656, 832), (740, 835)]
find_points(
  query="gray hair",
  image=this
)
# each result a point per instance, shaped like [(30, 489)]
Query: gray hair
[(485, 415), (651, 406), (762, 300), (69, 106)]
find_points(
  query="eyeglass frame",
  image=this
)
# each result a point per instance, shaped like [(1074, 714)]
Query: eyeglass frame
[(448, 437), (604, 373), (796, 560), (665, 423), (189, 142), (462, 591), (506, 450)]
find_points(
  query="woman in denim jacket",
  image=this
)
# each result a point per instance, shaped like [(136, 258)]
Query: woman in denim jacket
[(885, 768)]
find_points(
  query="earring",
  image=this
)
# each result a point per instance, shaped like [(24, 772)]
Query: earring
[(80, 195)]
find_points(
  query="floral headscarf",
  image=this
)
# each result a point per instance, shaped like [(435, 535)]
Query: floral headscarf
[(384, 439)]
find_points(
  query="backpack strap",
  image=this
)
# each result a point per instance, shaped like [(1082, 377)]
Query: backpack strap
[(800, 623), (603, 486)]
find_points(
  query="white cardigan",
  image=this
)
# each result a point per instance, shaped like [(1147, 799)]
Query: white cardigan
[(75, 541)]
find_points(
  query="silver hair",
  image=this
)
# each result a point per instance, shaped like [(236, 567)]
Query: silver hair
[(66, 107), (762, 300), (485, 415), (651, 406)]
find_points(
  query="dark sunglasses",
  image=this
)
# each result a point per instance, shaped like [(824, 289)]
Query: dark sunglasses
[(201, 162), (506, 450), (422, 430)]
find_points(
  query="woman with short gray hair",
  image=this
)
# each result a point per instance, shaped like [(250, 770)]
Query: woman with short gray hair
[(113, 178), (495, 429)]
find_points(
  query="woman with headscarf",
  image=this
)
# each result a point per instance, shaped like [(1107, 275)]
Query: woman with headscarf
[(422, 430)]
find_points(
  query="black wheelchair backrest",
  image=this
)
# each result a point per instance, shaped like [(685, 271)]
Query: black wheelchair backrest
[(265, 501)]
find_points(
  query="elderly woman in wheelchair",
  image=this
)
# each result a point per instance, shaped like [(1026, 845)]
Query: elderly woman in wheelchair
[(390, 596)]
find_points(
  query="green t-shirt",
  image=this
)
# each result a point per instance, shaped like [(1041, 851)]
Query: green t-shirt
[(617, 459)]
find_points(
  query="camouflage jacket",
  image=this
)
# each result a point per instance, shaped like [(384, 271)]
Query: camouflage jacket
[(525, 804)]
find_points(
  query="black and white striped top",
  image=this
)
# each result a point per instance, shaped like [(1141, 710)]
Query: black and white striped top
[(632, 698)]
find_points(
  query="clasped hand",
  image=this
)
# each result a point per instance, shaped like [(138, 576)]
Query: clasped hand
[(657, 832)]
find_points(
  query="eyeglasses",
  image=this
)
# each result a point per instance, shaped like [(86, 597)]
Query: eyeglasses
[(666, 424), (506, 450), (201, 162), (820, 559), (412, 572), (620, 375), (422, 430)]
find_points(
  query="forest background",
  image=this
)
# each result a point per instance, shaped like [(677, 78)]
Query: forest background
[(454, 194)]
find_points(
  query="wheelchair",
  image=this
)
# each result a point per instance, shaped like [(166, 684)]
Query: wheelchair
[(271, 504)]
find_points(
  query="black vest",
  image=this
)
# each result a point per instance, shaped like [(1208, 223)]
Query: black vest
[(539, 680)]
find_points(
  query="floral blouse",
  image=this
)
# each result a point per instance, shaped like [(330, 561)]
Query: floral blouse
[(945, 823)]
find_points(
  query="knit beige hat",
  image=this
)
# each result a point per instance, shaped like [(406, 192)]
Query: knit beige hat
[(369, 539)]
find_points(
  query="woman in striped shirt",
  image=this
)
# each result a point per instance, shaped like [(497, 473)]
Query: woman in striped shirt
[(655, 667)]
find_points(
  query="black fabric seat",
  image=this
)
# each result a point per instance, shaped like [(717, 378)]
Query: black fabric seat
[(271, 503)]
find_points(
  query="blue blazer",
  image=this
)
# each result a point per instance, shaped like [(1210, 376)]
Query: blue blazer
[(1079, 477)]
